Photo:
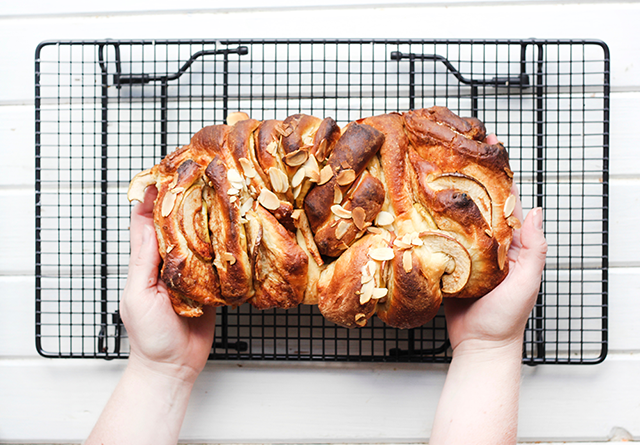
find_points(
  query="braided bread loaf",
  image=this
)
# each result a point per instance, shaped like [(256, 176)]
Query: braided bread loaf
[(384, 217)]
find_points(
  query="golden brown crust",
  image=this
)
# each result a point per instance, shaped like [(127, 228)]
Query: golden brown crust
[(386, 217), (279, 263)]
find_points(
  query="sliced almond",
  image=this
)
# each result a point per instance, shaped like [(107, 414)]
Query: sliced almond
[(272, 148), (233, 191), (325, 174), (296, 158), (365, 277), (341, 229), (367, 292), (407, 263), (170, 248), (415, 239), (307, 138), (248, 168), (279, 180), (509, 205), (375, 230), (488, 232), (386, 235), (268, 200), (358, 215), (233, 199), (340, 212), (384, 218), (346, 177), (296, 214), (337, 194), (297, 177), (361, 319), (246, 206), (296, 191), (508, 171), (234, 177), (321, 153), (372, 267), (311, 169), (514, 222), (284, 129), (401, 244), (381, 254), (229, 258), (167, 204), (173, 183), (379, 292)]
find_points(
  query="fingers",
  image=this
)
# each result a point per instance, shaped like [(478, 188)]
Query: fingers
[(145, 259), (141, 215), (533, 253), (491, 139)]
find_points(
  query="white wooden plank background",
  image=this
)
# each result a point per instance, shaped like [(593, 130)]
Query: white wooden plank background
[(59, 400)]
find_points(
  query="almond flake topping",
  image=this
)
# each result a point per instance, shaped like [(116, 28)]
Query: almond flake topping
[(379, 292), (514, 222), (311, 169), (284, 130), (346, 177), (381, 254), (508, 171), (296, 191), (407, 264), (361, 319), (297, 177), (325, 174), (322, 150), (167, 204), (384, 218), (337, 195), (233, 191), (296, 158), (340, 212), (488, 232), (244, 208), (247, 168), (367, 291), (279, 180), (268, 199), (509, 205), (296, 214), (272, 148), (359, 217), (341, 229), (401, 244), (416, 240), (234, 177)]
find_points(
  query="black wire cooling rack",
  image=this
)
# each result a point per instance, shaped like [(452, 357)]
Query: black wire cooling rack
[(107, 109)]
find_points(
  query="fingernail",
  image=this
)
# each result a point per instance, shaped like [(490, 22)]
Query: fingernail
[(537, 218)]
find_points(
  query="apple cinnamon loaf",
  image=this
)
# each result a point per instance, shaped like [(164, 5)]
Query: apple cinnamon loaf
[(384, 217)]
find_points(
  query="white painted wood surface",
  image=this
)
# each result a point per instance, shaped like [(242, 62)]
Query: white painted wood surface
[(58, 400)]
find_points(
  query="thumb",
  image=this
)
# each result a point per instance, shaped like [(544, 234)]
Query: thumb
[(144, 260), (533, 253)]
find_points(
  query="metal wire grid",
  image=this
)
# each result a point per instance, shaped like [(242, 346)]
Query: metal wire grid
[(108, 109)]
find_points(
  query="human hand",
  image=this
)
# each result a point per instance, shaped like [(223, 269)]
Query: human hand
[(161, 340), (499, 318)]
